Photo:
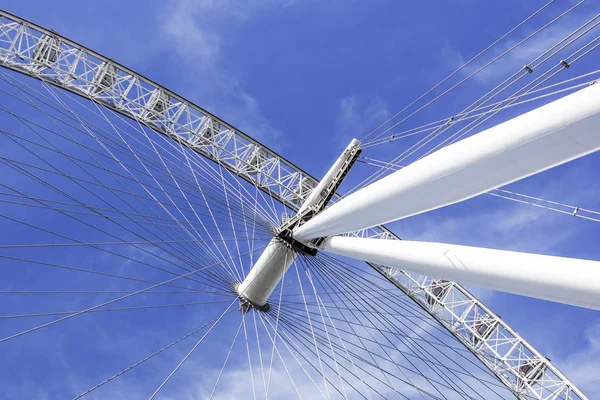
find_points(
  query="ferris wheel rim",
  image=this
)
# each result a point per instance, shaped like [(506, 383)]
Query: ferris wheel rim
[(249, 179)]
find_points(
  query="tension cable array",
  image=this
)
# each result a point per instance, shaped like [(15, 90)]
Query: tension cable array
[(481, 110)]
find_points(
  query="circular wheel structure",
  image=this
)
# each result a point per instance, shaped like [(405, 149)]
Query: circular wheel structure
[(128, 209)]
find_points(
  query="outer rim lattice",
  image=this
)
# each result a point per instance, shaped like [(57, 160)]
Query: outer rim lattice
[(46, 55)]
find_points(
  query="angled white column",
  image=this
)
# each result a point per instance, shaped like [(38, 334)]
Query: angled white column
[(564, 280), (275, 260), (553, 134), (266, 273)]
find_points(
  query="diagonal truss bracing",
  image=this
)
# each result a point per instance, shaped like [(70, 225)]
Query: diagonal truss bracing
[(46, 55)]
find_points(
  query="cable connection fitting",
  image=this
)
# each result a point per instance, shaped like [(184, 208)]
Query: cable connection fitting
[(285, 232), (565, 64), (528, 69), (286, 235)]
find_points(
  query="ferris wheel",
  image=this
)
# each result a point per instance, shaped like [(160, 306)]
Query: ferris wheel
[(128, 211)]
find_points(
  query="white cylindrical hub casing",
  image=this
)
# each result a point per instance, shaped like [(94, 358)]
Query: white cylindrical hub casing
[(266, 273), (278, 256)]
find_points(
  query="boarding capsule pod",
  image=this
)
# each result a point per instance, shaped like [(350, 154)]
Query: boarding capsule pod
[(105, 78), (256, 160), (483, 328), (437, 290), (46, 49), (157, 104), (209, 129), (530, 372)]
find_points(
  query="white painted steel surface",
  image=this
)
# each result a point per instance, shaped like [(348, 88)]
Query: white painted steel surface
[(321, 187), (553, 134), (93, 76), (267, 272), (277, 257), (564, 280)]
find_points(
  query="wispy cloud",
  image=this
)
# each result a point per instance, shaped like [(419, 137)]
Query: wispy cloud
[(582, 367), (192, 40), (358, 115), (513, 55), (195, 31)]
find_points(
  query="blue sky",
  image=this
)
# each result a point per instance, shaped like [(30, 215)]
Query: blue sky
[(305, 77)]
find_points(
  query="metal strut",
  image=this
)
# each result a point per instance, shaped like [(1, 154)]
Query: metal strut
[(283, 248), (285, 233)]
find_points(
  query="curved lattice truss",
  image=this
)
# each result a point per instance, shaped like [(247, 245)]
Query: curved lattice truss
[(161, 191)]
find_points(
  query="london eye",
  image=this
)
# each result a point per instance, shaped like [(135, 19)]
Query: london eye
[(151, 249)]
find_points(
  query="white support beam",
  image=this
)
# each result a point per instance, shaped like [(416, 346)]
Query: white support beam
[(266, 273), (82, 71), (278, 256), (564, 280), (553, 134)]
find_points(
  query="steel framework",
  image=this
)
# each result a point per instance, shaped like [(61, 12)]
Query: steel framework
[(46, 55)]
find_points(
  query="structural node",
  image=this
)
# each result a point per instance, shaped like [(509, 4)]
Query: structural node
[(281, 252)]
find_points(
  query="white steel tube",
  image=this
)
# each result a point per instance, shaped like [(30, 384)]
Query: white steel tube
[(266, 272), (553, 134), (277, 257), (564, 280)]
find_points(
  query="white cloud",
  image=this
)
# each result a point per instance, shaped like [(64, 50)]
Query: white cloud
[(583, 367), (508, 226), (358, 115), (191, 39), (195, 27), (452, 56), (236, 384), (523, 53), (195, 31)]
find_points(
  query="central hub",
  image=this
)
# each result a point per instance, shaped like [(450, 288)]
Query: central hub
[(265, 274), (281, 252), (285, 233)]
